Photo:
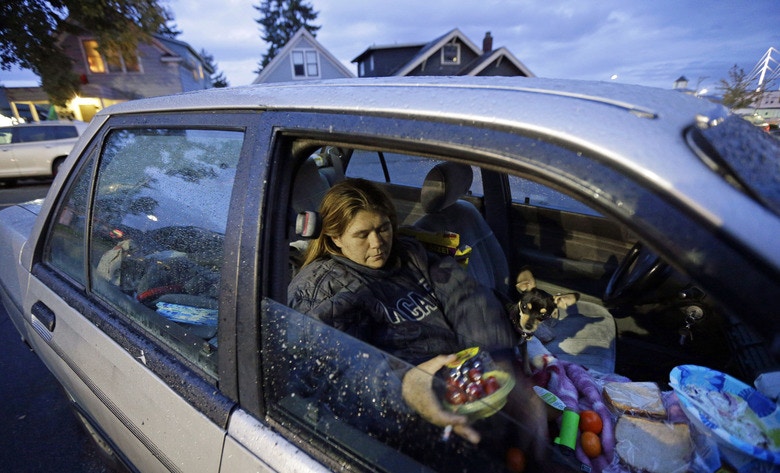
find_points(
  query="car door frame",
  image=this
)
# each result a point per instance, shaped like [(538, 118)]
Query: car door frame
[(267, 230), (169, 374)]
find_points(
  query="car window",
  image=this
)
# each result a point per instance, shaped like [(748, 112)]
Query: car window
[(532, 193), (402, 169), (157, 226), (65, 245), (348, 391), (62, 132), (5, 135), (28, 134)]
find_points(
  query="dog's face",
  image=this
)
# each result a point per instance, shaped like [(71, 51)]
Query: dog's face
[(537, 305)]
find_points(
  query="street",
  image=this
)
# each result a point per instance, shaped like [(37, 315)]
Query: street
[(41, 433)]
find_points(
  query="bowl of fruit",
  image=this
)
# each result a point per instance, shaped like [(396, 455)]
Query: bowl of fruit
[(475, 387)]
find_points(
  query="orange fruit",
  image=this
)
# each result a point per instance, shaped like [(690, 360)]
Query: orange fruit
[(590, 421), (591, 444), (515, 460)]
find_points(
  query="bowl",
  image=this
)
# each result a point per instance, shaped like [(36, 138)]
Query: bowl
[(744, 422), (487, 405)]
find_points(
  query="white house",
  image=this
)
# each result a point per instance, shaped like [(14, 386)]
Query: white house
[(302, 58)]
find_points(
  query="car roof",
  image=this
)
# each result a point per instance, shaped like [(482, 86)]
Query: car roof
[(76, 123), (636, 128)]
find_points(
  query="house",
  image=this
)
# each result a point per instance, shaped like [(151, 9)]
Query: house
[(161, 66), (767, 108), (302, 58), (452, 54)]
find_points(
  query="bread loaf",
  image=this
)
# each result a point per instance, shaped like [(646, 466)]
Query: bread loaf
[(635, 398), (653, 446)]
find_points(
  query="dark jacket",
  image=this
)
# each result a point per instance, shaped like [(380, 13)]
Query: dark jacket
[(419, 306)]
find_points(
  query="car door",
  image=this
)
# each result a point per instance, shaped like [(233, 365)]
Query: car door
[(39, 145), (8, 165), (126, 288), (323, 390)]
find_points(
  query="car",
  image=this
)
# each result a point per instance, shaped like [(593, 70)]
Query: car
[(36, 149), (152, 280)]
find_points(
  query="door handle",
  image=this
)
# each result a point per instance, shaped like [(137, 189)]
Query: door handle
[(44, 315)]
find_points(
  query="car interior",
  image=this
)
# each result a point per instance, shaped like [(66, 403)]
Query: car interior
[(655, 318), (659, 318)]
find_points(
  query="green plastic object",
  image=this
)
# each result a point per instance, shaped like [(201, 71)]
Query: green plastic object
[(569, 427)]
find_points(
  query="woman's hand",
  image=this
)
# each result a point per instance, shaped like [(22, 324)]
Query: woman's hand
[(417, 391)]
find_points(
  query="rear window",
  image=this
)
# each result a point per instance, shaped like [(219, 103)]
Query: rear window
[(29, 134)]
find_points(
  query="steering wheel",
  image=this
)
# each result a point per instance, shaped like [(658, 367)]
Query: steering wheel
[(636, 276)]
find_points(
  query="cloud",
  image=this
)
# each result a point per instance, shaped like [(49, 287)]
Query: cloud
[(649, 43)]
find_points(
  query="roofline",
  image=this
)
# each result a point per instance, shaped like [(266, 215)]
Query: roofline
[(301, 33), (410, 66), (388, 46), (502, 51)]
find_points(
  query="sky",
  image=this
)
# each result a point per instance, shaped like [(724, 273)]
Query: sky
[(631, 41)]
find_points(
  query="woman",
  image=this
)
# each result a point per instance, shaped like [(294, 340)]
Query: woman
[(361, 278)]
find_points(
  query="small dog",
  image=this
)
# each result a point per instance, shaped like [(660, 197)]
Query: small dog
[(534, 307)]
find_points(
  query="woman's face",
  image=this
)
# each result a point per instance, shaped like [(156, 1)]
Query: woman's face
[(367, 240)]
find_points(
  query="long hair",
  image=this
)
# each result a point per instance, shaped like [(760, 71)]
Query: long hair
[(340, 205)]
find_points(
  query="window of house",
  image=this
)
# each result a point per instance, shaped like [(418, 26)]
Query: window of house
[(450, 54), (305, 63), (101, 62)]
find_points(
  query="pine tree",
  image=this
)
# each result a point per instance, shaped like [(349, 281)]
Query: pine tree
[(218, 79), (280, 20)]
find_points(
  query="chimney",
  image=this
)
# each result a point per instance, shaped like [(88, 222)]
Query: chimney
[(487, 43)]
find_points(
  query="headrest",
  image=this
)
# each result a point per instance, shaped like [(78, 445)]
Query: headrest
[(444, 185), (308, 224)]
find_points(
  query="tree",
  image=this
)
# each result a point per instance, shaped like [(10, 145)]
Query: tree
[(218, 79), (738, 91), (28, 37), (279, 22)]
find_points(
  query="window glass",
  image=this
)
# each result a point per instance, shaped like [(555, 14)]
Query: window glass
[(132, 64), (64, 132), (5, 135), (402, 169), (94, 59), (28, 134), (114, 61), (312, 68), (157, 227), (298, 66), (450, 54), (532, 193), (349, 392), (64, 249)]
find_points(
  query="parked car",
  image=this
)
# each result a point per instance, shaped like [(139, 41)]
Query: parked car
[(152, 280), (36, 149)]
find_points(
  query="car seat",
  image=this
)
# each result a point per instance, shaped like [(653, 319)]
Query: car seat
[(444, 209), (585, 332)]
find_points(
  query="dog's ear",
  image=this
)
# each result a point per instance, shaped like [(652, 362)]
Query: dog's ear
[(525, 281), (565, 300)]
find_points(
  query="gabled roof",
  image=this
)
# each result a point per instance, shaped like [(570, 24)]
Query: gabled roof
[(431, 48), (373, 48), (486, 59), (294, 41), (473, 68), (176, 50)]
